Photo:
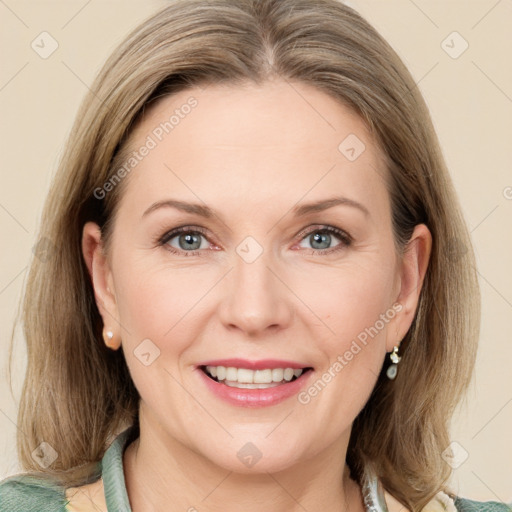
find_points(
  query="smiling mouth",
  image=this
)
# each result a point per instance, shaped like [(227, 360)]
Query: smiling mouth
[(253, 379)]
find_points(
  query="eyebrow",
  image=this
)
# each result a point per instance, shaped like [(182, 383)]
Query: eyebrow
[(298, 211), (320, 206)]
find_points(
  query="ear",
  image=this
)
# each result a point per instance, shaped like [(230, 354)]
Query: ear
[(413, 267), (102, 281)]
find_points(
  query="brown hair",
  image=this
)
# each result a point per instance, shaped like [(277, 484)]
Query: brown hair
[(77, 394)]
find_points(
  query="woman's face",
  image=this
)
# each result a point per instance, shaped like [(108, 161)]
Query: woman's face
[(255, 275)]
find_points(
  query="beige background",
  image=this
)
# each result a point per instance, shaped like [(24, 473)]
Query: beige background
[(470, 98)]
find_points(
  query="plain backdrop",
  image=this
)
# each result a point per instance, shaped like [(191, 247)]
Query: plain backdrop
[(459, 52)]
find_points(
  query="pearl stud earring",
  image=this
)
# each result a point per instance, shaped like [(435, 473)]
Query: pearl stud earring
[(108, 336)]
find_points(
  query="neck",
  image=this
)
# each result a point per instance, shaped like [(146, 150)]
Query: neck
[(163, 474)]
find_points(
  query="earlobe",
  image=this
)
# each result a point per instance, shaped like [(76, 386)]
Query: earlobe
[(413, 269), (110, 339)]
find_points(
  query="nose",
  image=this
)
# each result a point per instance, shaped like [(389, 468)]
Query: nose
[(255, 300)]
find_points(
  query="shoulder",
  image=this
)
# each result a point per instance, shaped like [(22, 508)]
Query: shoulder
[(448, 502), (27, 493), (466, 505), (31, 492)]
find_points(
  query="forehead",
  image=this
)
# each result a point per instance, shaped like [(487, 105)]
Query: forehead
[(251, 115), (277, 140)]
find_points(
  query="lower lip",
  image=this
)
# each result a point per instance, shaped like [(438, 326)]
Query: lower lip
[(244, 397)]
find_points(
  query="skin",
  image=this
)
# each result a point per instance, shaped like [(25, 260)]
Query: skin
[(252, 153)]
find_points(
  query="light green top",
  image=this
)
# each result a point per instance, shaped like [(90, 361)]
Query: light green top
[(24, 493)]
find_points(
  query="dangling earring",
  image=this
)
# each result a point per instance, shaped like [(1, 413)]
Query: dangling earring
[(108, 336), (393, 368)]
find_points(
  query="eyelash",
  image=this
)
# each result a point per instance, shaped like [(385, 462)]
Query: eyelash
[(344, 237)]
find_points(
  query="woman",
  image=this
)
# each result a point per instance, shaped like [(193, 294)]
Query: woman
[(252, 301)]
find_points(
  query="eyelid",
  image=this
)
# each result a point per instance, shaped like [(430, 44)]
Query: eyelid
[(345, 238), (170, 234), (340, 233)]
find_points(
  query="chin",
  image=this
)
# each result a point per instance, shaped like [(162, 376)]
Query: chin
[(258, 457)]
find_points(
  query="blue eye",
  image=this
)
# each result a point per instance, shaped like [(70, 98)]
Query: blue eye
[(186, 241), (322, 238)]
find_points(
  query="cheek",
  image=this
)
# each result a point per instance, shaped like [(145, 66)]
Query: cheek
[(351, 299), (153, 303), (153, 298), (358, 309), (154, 308)]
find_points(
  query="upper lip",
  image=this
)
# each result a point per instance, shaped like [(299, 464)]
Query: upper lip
[(261, 364)]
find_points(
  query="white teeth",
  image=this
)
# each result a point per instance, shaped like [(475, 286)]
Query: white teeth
[(259, 376), (277, 374), (250, 386), (243, 377), (221, 371), (231, 373), (288, 374)]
